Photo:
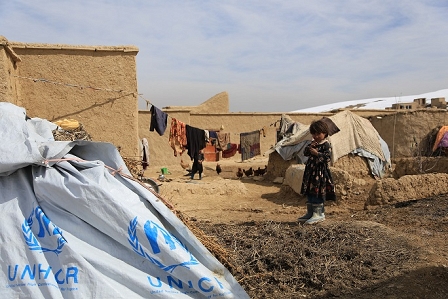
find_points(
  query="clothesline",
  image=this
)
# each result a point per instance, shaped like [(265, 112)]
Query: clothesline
[(102, 89), (157, 110), (83, 86), (185, 137)]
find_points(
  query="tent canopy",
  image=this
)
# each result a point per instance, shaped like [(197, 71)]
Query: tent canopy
[(75, 224)]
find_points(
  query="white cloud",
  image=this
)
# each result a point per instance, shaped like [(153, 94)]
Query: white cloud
[(285, 54)]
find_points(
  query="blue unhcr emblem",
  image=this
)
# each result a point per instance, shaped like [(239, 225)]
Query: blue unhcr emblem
[(46, 228), (153, 232)]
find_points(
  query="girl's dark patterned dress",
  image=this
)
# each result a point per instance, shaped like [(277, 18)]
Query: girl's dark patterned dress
[(317, 180)]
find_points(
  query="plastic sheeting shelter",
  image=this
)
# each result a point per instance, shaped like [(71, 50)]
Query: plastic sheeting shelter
[(76, 225), (357, 136)]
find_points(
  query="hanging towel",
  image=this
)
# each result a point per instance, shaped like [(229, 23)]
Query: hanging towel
[(158, 120)]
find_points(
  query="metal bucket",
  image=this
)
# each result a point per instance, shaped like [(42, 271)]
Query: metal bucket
[(151, 183)]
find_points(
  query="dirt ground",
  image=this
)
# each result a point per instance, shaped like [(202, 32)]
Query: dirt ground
[(396, 250)]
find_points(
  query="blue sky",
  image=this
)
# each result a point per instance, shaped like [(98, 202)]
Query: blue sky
[(270, 55)]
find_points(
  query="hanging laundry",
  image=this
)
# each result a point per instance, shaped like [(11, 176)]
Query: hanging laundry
[(145, 154), (158, 120), (223, 140), (228, 153), (195, 140), (207, 136), (250, 144), (178, 137), (213, 139), (213, 134)]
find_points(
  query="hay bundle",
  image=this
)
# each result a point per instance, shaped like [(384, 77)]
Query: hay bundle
[(78, 133)]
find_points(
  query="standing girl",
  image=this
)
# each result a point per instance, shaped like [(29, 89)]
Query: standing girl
[(317, 181)]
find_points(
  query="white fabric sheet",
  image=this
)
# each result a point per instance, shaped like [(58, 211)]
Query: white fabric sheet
[(72, 227)]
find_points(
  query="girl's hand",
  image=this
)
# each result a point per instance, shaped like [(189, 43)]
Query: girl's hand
[(313, 151)]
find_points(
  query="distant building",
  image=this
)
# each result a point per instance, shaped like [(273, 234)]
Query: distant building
[(438, 103), (420, 103)]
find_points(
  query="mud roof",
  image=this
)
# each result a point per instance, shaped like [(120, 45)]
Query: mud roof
[(120, 48)]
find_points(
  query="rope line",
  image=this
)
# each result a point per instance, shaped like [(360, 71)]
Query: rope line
[(84, 87), (148, 102), (74, 85)]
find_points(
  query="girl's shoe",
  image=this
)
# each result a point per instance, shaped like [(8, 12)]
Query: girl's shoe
[(318, 215), (309, 213)]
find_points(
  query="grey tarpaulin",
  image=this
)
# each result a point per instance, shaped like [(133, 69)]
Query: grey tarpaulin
[(73, 227)]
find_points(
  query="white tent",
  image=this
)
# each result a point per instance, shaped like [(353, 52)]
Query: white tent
[(357, 136), (76, 225)]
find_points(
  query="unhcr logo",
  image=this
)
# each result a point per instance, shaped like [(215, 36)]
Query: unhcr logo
[(162, 243), (48, 233)]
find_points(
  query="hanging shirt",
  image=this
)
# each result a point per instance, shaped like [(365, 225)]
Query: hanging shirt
[(158, 120)]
